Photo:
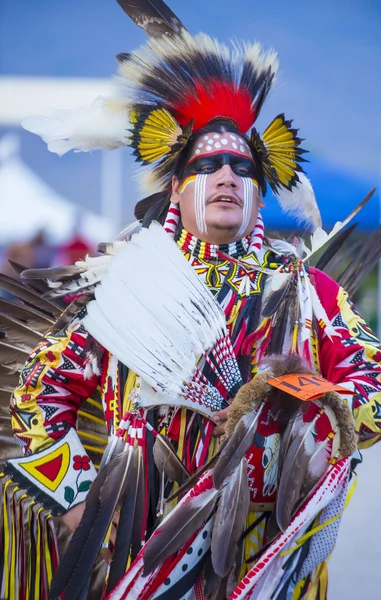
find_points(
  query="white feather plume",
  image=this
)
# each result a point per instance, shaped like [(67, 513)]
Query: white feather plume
[(153, 312), (301, 202), (102, 125)]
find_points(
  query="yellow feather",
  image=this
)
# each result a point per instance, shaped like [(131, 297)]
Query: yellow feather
[(157, 135)]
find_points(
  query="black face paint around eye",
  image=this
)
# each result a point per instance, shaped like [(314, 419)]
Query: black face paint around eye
[(207, 164)]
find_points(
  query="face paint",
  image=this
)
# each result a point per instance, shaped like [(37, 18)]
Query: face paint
[(199, 198), (199, 202), (206, 164), (248, 192), (186, 182)]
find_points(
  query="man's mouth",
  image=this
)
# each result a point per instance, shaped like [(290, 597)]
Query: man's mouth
[(225, 198)]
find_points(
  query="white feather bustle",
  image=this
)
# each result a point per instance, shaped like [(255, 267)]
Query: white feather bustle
[(153, 312), (102, 125), (300, 202)]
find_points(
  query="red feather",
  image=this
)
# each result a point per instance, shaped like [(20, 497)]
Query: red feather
[(219, 100)]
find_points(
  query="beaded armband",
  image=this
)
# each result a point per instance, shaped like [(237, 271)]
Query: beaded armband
[(58, 477)]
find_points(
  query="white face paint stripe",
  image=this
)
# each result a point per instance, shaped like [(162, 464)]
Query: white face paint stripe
[(199, 202), (248, 194)]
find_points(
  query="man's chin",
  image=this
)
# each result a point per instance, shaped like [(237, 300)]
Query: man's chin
[(231, 228)]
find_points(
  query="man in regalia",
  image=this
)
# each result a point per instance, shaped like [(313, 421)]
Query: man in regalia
[(194, 413)]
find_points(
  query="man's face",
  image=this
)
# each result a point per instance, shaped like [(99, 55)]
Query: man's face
[(218, 195)]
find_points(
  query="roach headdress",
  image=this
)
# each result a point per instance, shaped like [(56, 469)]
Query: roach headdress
[(167, 91)]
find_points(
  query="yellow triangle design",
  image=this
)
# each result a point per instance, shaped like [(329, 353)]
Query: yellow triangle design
[(32, 467)]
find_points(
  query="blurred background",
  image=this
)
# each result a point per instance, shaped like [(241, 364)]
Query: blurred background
[(53, 210), (60, 55)]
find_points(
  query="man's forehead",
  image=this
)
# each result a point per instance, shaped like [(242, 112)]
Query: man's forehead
[(212, 143)]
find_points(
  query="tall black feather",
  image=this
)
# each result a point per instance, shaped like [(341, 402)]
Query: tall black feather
[(101, 502), (154, 16), (335, 246), (130, 498)]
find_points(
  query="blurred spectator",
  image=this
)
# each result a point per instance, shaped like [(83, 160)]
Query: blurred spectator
[(74, 250), (36, 253)]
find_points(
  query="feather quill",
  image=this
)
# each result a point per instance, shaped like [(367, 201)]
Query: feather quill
[(229, 523)]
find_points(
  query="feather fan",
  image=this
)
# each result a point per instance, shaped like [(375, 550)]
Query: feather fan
[(159, 332)]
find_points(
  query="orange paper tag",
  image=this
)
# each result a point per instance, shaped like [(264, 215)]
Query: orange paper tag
[(306, 387)]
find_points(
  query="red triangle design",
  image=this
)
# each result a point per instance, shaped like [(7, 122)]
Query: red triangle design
[(51, 469)]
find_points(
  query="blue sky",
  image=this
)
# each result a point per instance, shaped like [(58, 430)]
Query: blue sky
[(330, 57)]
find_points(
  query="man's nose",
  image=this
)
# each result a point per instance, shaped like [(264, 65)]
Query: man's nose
[(226, 177)]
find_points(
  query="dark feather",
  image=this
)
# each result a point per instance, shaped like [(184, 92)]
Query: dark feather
[(154, 16), (101, 502), (9, 380), (131, 499), (335, 246), (214, 586), (296, 479), (275, 299), (37, 320), (18, 332), (12, 355), (31, 297), (70, 313), (167, 460), (115, 447), (193, 479), (357, 209), (229, 523), (54, 272), (137, 530), (177, 528), (361, 264), (236, 447)]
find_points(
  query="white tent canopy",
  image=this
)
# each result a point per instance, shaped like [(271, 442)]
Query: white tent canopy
[(28, 205)]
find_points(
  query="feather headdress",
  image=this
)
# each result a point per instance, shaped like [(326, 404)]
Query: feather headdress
[(171, 88)]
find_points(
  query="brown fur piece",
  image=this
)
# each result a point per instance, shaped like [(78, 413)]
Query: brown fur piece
[(345, 420), (249, 396)]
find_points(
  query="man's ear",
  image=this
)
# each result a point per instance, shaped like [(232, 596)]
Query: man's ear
[(175, 197)]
